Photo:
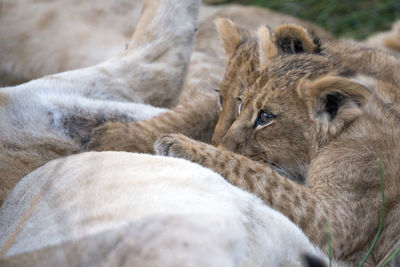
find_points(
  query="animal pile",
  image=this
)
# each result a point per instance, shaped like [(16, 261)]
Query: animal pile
[(295, 136)]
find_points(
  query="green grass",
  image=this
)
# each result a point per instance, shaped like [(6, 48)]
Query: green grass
[(356, 19), (394, 254), (330, 244)]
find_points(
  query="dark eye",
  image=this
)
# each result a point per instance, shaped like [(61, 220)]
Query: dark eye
[(220, 101), (264, 118), (239, 106)]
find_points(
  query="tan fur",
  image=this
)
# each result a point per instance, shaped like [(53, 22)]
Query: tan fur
[(329, 129), (351, 55), (230, 35), (266, 46), (392, 43), (316, 92)]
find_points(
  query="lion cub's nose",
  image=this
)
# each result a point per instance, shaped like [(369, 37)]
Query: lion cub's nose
[(216, 138), (229, 142), (235, 136)]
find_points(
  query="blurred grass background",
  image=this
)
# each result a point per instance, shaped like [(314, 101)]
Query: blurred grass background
[(344, 18)]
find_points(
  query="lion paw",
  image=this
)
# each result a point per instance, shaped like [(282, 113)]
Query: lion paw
[(175, 145)]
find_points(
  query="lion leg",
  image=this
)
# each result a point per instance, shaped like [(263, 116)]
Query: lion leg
[(154, 66), (76, 117), (196, 119), (151, 70)]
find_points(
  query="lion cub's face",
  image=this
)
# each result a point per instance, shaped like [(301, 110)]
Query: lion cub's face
[(241, 72), (300, 101)]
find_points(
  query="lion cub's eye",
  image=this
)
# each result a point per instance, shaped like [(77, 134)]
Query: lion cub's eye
[(239, 106), (264, 118), (220, 101)]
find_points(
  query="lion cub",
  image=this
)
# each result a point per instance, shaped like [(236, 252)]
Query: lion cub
[(241, 71), (310, 118)]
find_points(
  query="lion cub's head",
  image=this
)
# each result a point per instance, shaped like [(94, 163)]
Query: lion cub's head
[(301, 100)]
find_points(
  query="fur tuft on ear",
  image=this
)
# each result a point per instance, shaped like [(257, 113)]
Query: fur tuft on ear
[(292, 39), (266, 46), (232, 35), (335, 100)]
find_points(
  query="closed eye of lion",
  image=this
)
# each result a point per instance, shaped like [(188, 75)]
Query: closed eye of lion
[(308, 137)]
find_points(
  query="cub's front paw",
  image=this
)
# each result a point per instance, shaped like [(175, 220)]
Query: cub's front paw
[(171, 145)]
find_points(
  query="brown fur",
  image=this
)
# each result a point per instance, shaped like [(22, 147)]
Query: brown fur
[(329, 129), (241, 73)]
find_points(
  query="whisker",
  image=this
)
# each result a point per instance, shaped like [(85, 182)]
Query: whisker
[(285, 171), (245, 85)]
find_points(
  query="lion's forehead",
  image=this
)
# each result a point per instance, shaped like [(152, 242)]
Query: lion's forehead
[(276, 101), (246, 56), (294, 67), (282, 75), (278, 81), (242, 68)]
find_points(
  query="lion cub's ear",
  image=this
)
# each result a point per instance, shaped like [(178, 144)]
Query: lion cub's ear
[(286, 39), (232, 35), (267, 47), (292, 39), (335, 100)]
